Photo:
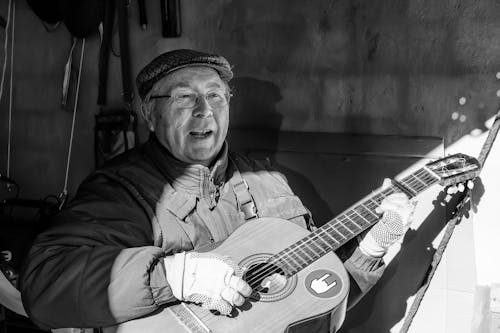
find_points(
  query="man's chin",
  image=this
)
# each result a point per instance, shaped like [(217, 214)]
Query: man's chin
[(203, 156)]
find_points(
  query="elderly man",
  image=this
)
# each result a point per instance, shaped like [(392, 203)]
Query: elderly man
[(127, 243)]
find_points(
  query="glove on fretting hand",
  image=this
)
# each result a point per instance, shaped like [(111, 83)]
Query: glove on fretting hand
[(209, 279), (396, 210)]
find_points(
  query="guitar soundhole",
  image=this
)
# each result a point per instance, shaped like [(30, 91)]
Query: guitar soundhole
[(265, 277), (267, 280)]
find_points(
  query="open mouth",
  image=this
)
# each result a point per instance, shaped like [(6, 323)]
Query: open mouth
[(201, 134)]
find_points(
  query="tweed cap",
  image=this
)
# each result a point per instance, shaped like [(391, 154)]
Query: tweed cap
[(170, 61)]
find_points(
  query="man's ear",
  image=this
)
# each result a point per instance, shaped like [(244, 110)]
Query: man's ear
[(147, 111)]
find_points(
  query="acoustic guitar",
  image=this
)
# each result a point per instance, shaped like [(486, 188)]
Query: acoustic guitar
[(294, 273)]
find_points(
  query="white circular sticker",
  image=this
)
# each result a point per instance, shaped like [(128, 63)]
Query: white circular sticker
[(323, 283)]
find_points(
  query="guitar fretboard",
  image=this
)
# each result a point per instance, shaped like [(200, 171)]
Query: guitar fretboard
[(347, 225)]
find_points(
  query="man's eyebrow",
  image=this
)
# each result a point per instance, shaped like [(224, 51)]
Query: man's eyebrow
[(181, 85), (214, 84)]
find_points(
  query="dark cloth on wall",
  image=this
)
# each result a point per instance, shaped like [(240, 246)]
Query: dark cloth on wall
[(99, 263)]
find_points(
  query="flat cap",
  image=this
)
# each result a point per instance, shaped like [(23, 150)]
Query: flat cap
[(170, 61)]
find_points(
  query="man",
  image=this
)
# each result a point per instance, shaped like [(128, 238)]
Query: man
[(127, 244)]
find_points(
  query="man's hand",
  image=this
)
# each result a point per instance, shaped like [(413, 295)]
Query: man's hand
[(208, 279), (460, 187), (396, 210)]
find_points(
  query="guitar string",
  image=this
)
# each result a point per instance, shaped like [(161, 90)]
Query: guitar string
[(263, 272)]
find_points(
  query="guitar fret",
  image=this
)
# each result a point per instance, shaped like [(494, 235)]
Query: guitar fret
[(296, 252), (351, 220), (430, 174), (313, 244), (408, 187), (343, 229), (305, 247), (370, 213), (325, 243), (369, 210), (354, 210), (419, 180), (284, 265), (330, 236), (351, 225), (375, 203), (430, 178), (338, 233), (289, 255), (414, 186)]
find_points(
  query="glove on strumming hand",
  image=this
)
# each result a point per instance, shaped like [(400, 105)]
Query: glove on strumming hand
[(209, 279)]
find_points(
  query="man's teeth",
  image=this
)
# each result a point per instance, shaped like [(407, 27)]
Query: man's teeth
[(201, 133)]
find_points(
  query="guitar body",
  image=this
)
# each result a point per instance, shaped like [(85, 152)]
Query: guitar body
[(319, 291)]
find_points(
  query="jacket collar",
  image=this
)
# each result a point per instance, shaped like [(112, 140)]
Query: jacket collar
[(198, 180)]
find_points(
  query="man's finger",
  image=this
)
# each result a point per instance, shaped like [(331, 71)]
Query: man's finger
[(386, 183), (228, 294), (394, 206), (240, 286), (397, 198), (220, 305)]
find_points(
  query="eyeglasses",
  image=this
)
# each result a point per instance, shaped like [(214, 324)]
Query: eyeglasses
[(216, 99)]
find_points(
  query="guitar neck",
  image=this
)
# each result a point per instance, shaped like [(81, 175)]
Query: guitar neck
[(348, 224)]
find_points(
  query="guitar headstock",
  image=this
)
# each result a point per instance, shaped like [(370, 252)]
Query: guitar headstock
[(455, 169)]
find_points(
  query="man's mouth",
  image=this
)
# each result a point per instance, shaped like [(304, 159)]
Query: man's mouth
[(202, 134)]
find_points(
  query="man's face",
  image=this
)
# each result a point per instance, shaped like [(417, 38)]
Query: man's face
[(194, 133)]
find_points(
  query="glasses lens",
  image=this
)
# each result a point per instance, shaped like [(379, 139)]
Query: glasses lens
[(216, 99), (186, 100)]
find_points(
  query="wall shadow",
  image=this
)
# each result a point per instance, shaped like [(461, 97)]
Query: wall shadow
[(253, 107), (403, 278)]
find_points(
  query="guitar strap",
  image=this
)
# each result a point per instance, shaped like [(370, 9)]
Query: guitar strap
[(246, 204), (449, 230)]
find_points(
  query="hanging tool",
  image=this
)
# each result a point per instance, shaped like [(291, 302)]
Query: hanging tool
[(128, 95), (143, 18), (170, 18)]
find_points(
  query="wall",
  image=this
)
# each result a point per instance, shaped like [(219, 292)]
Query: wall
[(375, 67)]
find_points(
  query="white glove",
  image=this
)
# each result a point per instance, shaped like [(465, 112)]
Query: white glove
[(209, 279), (396, 210)]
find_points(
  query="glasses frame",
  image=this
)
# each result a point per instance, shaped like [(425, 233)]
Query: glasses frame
[(227, 96)]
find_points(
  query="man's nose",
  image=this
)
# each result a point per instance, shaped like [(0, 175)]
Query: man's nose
[(202, 108)]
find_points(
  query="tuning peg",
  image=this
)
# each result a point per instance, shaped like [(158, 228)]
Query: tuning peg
[(7, 255)]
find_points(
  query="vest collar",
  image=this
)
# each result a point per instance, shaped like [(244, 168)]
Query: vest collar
[(198, 180)]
